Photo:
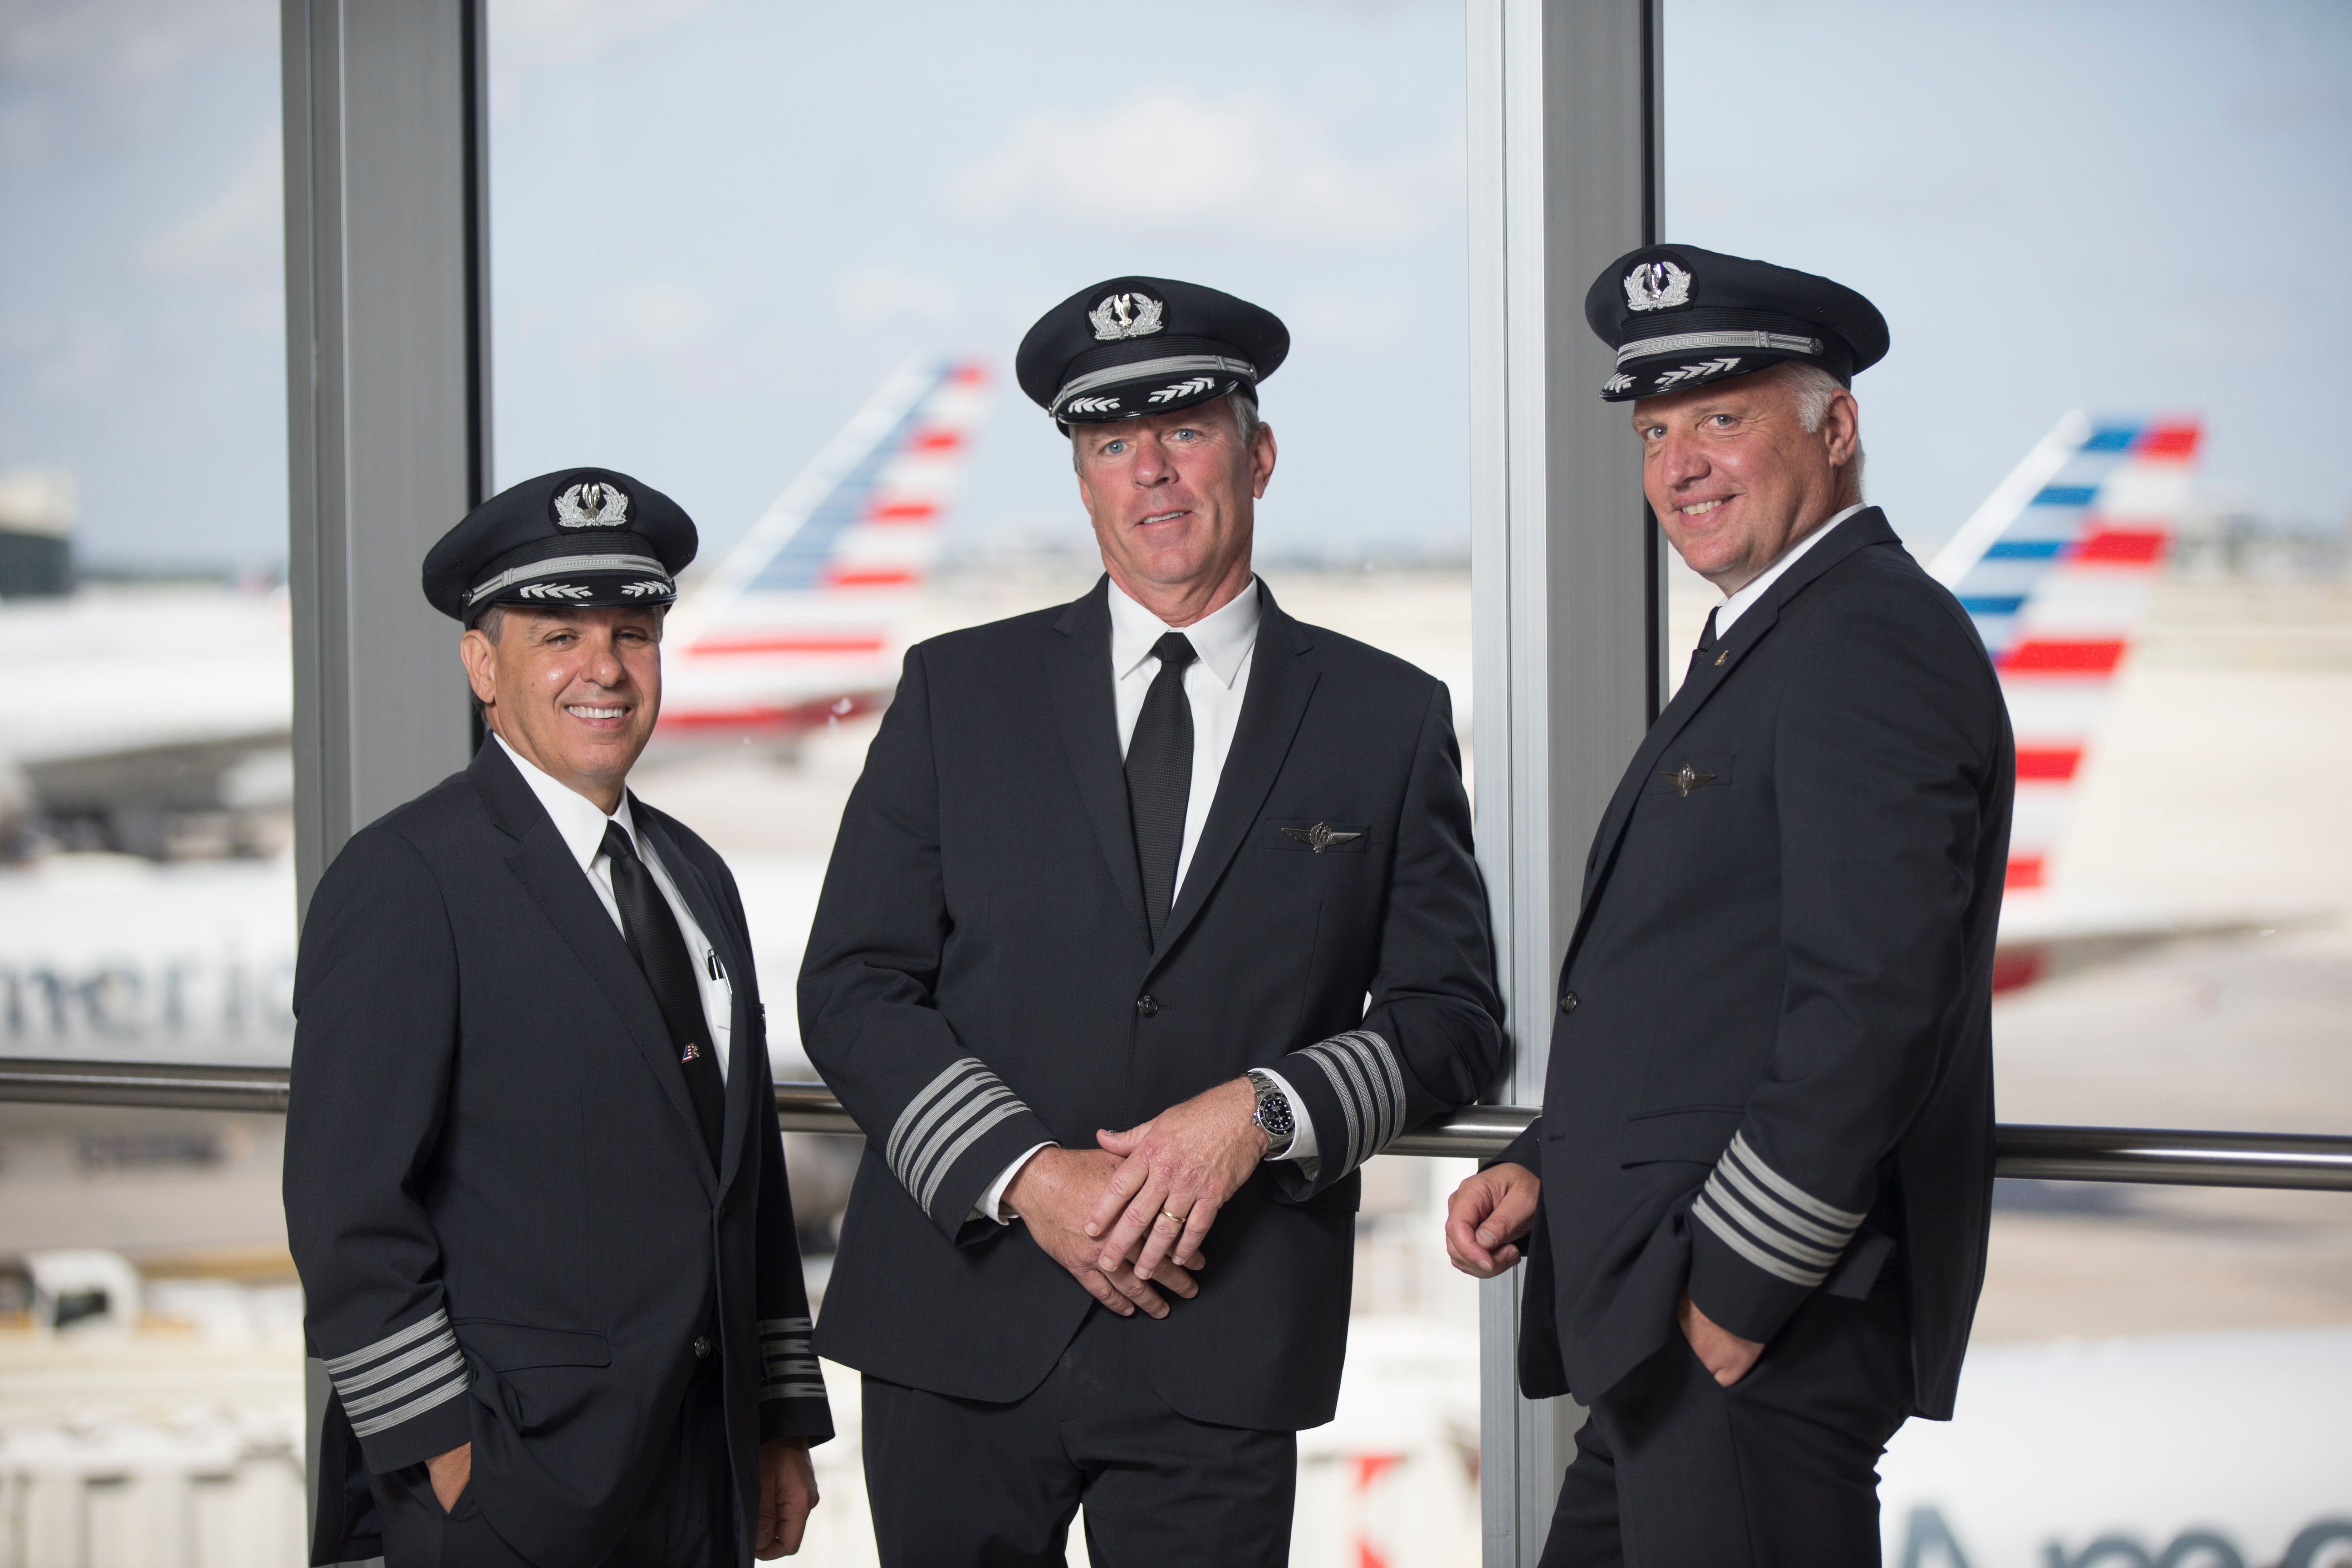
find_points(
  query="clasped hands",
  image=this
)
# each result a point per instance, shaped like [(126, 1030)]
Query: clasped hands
[(1131, 1213), (1491, 1211)]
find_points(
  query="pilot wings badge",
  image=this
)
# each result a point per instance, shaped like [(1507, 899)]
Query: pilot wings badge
[(1655, 284), (1688, 778), (1125, 316), (1320, 837), (592, 506)]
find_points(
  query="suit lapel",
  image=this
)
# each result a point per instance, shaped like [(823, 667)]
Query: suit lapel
[(544, 866), (1077, 674), (702, 903), (1281, 682), (1865, 527)]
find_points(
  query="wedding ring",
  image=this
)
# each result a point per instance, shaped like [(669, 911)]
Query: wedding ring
[(1167, 1214)]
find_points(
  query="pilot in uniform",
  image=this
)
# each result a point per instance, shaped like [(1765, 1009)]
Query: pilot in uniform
[(1756, 1202), (533, 1179), (1111, 870)]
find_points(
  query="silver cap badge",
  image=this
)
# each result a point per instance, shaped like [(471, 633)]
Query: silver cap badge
[(1654, 285), (1125, 316), (592, 506)]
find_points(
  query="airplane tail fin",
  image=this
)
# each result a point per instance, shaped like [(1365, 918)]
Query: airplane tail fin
[(2056, 569), (801, 621)]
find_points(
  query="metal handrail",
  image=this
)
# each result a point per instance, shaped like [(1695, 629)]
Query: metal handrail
[(2169, 1156)]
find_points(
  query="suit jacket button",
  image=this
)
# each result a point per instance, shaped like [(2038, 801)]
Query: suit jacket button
[(701, 1346), (1148, 1007), (1567, 1001)]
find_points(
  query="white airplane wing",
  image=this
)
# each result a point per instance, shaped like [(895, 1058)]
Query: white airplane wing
[(802, 621)]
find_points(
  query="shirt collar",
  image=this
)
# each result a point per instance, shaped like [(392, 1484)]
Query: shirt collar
[(577, 818), (1222, 638), (1762, 583)]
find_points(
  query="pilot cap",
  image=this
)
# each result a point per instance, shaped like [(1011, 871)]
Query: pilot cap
[(588, 537), (1681, 317), (1133, 346)]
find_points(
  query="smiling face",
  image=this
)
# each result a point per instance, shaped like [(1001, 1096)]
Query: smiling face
[(1172, 500), (1735, 476), (575, 692)]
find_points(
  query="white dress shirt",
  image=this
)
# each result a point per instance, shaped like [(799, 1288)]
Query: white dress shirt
[(582, 825), (1734, 605), (1215, 685)]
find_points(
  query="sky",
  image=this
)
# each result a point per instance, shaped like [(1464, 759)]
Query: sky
[(716, 225)]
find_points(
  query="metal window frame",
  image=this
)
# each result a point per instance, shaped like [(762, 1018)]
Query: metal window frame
[(1565, 153), (388, 433)]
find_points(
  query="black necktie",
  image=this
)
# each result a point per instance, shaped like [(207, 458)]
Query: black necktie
[(1160, 777), (1704, 652), (659, 948)]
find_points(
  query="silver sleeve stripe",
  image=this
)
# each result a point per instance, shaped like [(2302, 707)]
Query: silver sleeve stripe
[(438, 1319), (1355, 1097), (1003, 1112), (1788, 1189), (1760, 1231), (409, 1411), (921, 1104), (442, 1344), (951, 1113), (1769, 1220), (1690, 342), (1705, 1212), (1347, 1109), (923, 1154), (452, 1366), (1348, 1047), (784, 1326), (1369, 1084), (924, 1143), (1727, 1174), (566, 566)]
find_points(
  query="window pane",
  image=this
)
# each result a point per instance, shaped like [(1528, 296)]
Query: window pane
[(812, 220), (146, 907), (2165, 592), (151, 1361)]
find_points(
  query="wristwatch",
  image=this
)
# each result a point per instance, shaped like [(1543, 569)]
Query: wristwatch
[(1273, 1115)]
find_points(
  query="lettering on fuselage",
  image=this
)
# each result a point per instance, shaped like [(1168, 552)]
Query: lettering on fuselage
[(1928, 1542), (182, 1003)]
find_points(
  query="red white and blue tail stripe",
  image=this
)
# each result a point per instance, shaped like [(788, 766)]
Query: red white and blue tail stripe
[(802, 621), (2056, 569)]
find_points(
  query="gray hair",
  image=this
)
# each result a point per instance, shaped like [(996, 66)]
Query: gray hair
[(1815, 388), (1241, 400)]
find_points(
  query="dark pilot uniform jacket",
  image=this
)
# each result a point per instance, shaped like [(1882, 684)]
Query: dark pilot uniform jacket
[(980, 979), (1771, 1068), (506, 1218)]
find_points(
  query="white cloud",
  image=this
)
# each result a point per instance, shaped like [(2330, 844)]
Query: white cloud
[(236, 233), (582, 29), (1169, 159), (884, 293), (662, 317)]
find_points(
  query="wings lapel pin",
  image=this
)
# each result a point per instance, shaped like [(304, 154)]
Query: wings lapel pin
[(1320, 837)]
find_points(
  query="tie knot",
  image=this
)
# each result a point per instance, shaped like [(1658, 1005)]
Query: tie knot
[(1706, 633), (1175, 650), (617, 843)]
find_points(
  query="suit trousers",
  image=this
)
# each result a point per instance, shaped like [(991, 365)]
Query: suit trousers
[(687, 1519), (958, 1483), (1779, 1470)]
